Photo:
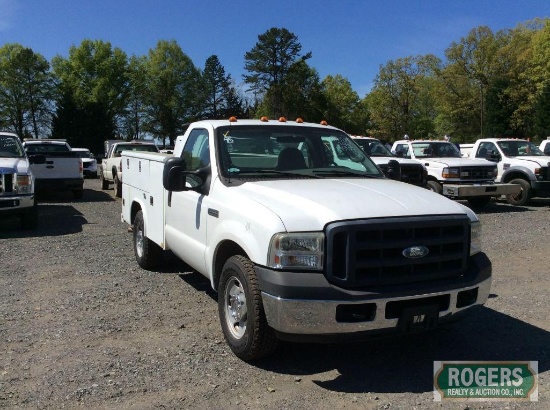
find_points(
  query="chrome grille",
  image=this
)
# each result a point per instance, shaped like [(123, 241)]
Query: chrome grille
[(6, 184), (477, 173)]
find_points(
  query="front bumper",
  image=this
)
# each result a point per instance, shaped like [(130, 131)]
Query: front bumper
[(473, 190), (15, 204), (307, 304)]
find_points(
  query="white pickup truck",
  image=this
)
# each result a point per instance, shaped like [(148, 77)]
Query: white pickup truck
[(411, 171), (297, 247), (452, 175), (545, 146), (17, 182), (110, 171), (519, 162), (62, 169)]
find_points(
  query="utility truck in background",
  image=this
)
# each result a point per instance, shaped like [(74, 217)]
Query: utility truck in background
[(298, 247), (110, 170), (519, 162), (452, 175), (62, 169)]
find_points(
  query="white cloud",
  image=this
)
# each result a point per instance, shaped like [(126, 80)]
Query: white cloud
[(7, 13)]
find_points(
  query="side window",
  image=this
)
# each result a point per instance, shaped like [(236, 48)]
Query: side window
[(484, 148), (196, 153), (402, 149)]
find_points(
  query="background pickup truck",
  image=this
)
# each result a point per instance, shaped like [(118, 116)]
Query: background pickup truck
[(519, 162), (453, 176), (545, 146), (298, 247), (412, 172), (110, 171), (17, 182), (62, 169)]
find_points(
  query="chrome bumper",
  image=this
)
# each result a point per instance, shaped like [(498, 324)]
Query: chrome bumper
[(17, 203), (317, 317)]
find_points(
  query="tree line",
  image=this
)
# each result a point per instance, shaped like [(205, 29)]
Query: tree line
[(490, 84)]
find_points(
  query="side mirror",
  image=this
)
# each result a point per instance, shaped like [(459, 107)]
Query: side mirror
[(492, 156), (394, 170), (174, 175), (37, 159)]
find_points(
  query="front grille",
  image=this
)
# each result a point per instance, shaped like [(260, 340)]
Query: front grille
[(367, 253), (6, 184), (545, 175), (410, 173), (477, 173)]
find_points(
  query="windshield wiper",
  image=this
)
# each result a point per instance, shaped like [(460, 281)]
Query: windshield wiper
[(348, 172), (274, 171)]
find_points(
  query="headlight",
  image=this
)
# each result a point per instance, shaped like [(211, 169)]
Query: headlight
[(296, 250), (24, 184), (475, 238), (451, 172)]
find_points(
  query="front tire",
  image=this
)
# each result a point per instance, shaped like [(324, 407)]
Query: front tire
[(241, 311), (148, 253), (103, 181), (435, 187), (524, 196)]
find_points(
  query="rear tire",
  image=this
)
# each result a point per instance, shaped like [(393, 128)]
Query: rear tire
[(435, 187), (104, 182), (241, 311), (524, 196), (118, 186), (148, 253)]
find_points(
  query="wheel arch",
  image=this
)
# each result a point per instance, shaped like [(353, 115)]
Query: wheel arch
[(224, 251), (515, 174)]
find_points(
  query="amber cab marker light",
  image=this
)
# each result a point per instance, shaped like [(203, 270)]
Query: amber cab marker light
[(299, 120), (264, 119), (233, 119), (324, 122), (282, 119)]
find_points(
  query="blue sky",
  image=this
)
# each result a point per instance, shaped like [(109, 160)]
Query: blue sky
[(351, 38)]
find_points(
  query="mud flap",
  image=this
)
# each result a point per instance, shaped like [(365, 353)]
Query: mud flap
[(418, 318)]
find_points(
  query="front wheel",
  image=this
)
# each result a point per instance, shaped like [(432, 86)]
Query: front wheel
[(148, 253), (241, 311), (435, 187), (524, 196), (103, 181)]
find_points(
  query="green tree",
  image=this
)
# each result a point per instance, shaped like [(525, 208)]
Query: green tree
[(174, 90), (94, 79), (269, 63), (216, 84), (342, 104), (135, 115), (26, 91)]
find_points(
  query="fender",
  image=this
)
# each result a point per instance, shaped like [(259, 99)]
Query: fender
[(518, 170)]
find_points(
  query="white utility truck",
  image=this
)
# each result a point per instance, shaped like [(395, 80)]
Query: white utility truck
[(519, 162), (110, 171), (452, 175), (297, 247), (17, 182)]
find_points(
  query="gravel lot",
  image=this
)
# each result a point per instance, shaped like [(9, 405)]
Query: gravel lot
[(81, 325)]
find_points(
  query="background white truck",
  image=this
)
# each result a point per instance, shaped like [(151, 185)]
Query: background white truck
[(545, 146), (110, 170), (519, 162), (453, 176), (297, 247), (62, 169), (411, 171), (17, 182)]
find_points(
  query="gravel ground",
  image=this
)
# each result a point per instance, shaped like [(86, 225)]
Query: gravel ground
[(81, 325)]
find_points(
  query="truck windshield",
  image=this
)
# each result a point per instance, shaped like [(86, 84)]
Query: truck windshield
[(520, 148), (435, 149), (280, 151), (10, 147)]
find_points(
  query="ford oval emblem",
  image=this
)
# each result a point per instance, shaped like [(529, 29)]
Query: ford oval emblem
[(415, 252)]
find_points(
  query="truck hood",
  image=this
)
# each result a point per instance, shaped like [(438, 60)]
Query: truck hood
[(454, 162), (9, 165), (528, 161), (308, 205)]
